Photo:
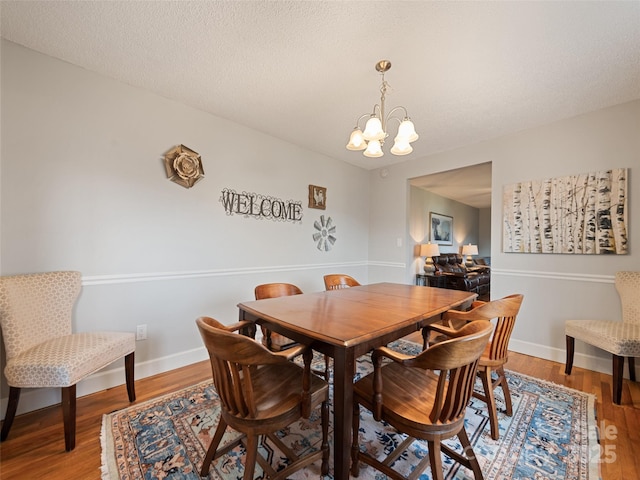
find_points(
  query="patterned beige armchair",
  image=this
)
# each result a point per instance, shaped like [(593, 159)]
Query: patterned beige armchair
[(35, 314), (621, 339)]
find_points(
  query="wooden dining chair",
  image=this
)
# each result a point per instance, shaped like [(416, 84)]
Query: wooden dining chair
[(504, 311), (36, 313), (620, 338), (339, 280), (262, 392), (424, 396), (273, 340)]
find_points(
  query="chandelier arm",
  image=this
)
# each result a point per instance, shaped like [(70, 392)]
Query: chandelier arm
[(406, 114), (364, 115)]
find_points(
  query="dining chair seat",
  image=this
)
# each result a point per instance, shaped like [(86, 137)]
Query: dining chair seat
[(618, 338), (64, 361)]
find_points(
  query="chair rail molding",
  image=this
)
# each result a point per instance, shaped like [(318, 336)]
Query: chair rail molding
[(578, 277), (92, 280)]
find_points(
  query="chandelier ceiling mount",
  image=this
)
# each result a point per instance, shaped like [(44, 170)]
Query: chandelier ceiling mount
[(372, 138)]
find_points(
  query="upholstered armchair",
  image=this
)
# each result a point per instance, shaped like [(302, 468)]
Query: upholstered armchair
[(620, 338), (459, 277), (35, 314)]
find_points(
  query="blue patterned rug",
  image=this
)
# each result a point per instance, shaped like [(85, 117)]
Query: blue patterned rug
[(551, 435)]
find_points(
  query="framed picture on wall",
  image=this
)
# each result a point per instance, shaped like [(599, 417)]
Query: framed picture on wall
[(317, 197), (441, 229)]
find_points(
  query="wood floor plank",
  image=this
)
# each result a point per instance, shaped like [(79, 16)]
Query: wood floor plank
[(35, 447)]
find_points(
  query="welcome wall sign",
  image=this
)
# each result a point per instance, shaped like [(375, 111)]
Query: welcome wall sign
[(260, 206)]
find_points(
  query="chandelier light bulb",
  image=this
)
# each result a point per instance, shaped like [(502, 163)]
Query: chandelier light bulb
[(356, 141), (373, 129), (374, 149), (407, 130), (401, 147)]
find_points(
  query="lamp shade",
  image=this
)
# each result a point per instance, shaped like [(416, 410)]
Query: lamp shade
[(469, 249), (373, 129), (407, 131), (429, 250), (374, 149), (401, 147), (356, 141)]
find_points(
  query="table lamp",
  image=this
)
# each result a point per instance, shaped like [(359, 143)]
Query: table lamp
[(469, 250), (429, 250)]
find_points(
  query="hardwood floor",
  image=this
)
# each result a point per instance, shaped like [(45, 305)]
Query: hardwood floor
[(35, 447)]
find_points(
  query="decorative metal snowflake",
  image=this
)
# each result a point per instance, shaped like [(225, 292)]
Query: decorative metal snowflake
[(325, 236)]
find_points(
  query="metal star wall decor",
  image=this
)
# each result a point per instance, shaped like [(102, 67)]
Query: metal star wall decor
[(325, 235)]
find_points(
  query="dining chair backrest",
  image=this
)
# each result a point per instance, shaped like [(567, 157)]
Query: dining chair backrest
[(234, 359), (338, 281), (36, 307), (628, 287), (504, 311), (456, 361), (272, 290)]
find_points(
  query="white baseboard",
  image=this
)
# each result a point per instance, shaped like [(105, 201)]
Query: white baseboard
[(36, 398)]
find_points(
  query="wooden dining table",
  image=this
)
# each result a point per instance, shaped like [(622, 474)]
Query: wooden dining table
[(345, 324)]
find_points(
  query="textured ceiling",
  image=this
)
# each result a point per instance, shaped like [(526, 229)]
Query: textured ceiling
[(303, 71), (469, 185)]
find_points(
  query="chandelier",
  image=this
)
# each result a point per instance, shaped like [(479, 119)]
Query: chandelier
[(375, 131)]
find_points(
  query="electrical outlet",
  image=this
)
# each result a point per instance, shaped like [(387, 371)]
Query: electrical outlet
[(141, 332)]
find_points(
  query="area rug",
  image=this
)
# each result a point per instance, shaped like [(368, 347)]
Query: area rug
[(551, 435)]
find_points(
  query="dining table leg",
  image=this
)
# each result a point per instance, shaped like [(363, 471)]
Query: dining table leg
[(343, 372)]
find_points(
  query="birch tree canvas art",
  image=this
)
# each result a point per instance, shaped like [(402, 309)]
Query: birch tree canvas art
[(580, 214)]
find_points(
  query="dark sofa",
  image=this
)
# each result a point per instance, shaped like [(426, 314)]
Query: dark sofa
[(458, 277)]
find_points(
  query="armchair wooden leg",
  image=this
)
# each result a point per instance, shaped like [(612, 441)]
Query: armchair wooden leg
[(570, 348), (618, 367), (425, 337), (252, 457), (470, 454), (69, 416), (12, 406), (487, 383), (129, 363), (502, 380), (435, 458), (213, 447)]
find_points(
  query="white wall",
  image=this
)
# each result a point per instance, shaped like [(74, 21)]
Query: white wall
[(556, 287), (484, 225), (84, 188)]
